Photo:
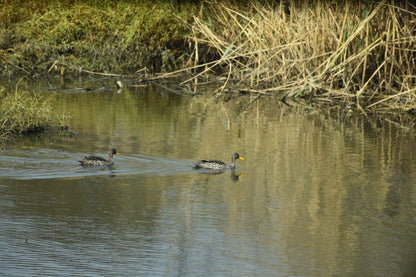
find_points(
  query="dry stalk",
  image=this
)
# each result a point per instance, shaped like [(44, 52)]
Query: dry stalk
[(391, 97), (325, 49)]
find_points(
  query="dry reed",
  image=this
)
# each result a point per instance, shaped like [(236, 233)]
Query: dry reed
[(361, 52)]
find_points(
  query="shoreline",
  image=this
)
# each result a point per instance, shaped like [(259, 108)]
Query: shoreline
[(359, 56)]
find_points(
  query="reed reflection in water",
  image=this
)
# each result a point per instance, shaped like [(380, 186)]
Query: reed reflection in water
[(313, 197)]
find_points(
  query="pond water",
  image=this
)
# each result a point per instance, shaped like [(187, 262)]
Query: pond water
[(315, 196)]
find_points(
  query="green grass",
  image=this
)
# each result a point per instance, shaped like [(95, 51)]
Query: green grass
[(103, 36), (24, 112)]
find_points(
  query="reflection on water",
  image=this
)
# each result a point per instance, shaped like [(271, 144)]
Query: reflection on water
[(314, 197)]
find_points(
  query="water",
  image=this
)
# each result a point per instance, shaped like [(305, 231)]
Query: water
[(315, 195)]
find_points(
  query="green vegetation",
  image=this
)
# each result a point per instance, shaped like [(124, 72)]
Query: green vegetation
[(111, 36), (101, 36), (23, 112)]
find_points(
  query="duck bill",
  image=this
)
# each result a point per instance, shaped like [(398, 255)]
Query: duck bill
[(241, 158), (117, 153)]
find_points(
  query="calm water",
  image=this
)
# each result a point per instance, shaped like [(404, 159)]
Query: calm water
[(313, 197)]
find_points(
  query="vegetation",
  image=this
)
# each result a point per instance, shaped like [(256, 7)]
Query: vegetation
[(103, 36), (359, 54), (23, 112), (100, 36)]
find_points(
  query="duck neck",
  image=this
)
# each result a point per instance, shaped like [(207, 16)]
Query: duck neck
[(232, 165)]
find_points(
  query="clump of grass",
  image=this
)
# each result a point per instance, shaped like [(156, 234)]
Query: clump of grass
[(24, 112), (361, 52)]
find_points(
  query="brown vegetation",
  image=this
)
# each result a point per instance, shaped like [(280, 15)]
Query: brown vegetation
[(358, 53)]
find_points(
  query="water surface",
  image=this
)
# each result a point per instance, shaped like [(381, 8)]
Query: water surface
[(315, 195)]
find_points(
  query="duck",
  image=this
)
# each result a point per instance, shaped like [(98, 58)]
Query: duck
[(218, 165), (94, 160)]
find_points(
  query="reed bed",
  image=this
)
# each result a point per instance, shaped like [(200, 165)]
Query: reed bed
[(362, 54)]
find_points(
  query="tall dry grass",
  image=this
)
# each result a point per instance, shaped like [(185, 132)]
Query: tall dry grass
[(361, 53)]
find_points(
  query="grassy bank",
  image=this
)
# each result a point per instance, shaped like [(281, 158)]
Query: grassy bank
[(102, 36), (359, 54), (24, 112), (99, 36)]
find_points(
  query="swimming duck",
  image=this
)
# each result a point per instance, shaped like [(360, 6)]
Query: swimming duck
[(94, 160), (218, 165)]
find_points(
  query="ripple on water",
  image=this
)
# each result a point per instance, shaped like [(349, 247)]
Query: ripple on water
[(50, 163)]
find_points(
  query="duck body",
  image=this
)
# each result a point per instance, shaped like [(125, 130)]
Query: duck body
[(94, 160), (212, 164), (217, 165)]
